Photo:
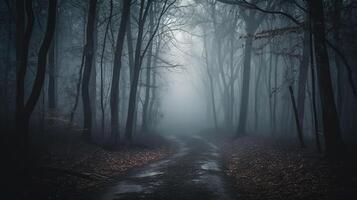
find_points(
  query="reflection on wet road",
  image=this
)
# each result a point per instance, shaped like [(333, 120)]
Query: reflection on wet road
[(193, 172)]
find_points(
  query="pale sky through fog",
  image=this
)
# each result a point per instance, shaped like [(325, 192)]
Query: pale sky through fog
[(183, 106)]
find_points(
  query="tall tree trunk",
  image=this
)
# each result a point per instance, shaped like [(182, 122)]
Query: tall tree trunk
[(152, 101), (333, 139), (136, 71), (154, 89), (52, 72), (241, 130), (8, 67), (256, 120), (129, 38), (102, 68), (114, 93), (21, 137), (303, 69), (24, 26), (275, 92), (25, 110), (232, 79), (148, 77), (297, 122), (220, 64), (23, 36), (211, 84), (336, 20), (42, 60), (313, 95), (147, 94), (93, 80), (52, 78), (270, 92), (80, 75), (88, 65)]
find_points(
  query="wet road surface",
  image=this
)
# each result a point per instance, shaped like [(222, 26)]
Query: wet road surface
[(193, 172)]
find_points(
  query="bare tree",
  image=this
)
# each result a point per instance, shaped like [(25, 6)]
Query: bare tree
[(148, 75), (114, 94), (24, 109), (88, 65), (101, 66), (139, 55), (333, 140)]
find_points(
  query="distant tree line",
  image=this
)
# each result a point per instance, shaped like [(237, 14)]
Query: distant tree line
[(281, 67)]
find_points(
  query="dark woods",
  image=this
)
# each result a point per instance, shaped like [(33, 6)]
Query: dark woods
[(321, 25), (51, 51), (98, 69)]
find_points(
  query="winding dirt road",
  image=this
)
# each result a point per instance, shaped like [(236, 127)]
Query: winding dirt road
[(195, 171)]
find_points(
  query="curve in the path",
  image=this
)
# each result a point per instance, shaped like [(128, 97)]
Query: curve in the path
[(193, 172)]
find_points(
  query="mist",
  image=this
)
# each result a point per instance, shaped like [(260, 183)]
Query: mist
[(179, 99), (184, 106)]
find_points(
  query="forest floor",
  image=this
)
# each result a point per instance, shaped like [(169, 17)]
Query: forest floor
[(189, 166), (265, 169), (68, 167), (194, 171)]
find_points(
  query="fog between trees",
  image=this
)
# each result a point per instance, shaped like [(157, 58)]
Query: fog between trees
[(113, 70)]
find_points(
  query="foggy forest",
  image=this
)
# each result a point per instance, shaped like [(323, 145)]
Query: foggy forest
[(179, 99)]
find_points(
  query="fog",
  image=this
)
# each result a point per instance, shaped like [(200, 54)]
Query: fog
[(179, 66), (139, 88), (184, 105)]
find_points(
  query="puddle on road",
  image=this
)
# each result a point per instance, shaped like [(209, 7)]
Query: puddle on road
[(159, 163), (148, 174), (129, 187), (155, 168), (210, 165), (142, 182)]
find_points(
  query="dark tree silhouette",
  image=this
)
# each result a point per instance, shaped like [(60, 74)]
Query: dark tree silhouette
[(114, 94), (88, 65), (331, 123), (24, 109)]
